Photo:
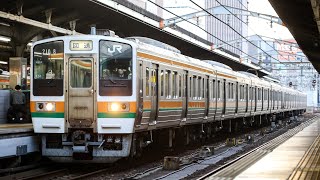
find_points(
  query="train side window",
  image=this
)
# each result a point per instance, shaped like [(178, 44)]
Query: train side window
[(194, 85), (203, 88), (232, 91), (228, 89), (190, 87), (241, 92), (174, 85), (218, 90), (161, 83), (199, 88), (167, 84), (213, 89), (180, 86), (147, 81)]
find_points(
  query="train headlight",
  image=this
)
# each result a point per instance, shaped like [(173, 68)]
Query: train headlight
[(50, 107), (45, 106), (115, 106), (118, 106)]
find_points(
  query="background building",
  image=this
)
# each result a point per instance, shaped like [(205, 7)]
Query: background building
[(222, 30)]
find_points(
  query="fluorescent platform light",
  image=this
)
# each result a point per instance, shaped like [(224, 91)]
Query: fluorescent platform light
[(5, 39), (3, 62)]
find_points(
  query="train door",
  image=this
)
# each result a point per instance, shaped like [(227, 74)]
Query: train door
[(80, 92), (140, 97), (154, 92), (184, 94)]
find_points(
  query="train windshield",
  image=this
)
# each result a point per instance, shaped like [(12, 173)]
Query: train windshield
[(48, 69), (115, 76)]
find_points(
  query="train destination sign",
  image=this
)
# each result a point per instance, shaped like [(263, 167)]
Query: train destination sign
[(81, 45)]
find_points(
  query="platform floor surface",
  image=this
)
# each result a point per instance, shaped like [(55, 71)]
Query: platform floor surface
[(15, 128), (285, 161)]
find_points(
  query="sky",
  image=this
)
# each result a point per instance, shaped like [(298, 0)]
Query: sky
[(262, 27), (256, 25)]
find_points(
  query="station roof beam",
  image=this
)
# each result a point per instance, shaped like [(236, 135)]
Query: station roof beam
[(218, 10)]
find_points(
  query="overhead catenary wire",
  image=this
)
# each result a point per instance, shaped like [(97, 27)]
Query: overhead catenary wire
[(249, 26), (201, 29), (232, 28)]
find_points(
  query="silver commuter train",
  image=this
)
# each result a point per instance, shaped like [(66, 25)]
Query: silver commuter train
[(97, 98)]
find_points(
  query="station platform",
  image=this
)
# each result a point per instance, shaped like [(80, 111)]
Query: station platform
[(17, 140), (296, 158), (15, 128)]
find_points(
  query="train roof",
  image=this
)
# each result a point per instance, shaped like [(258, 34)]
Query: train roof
[(154, 42), (214, 63)]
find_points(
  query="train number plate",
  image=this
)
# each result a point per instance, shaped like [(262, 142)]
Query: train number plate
[(22, 150)]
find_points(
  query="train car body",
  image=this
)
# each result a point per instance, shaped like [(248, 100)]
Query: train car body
[(99, 98)]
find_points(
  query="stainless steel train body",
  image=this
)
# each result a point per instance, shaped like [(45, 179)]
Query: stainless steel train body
[(92, 95)]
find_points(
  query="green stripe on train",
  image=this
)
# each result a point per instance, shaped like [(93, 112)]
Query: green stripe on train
[(48, 114), (117, 115)]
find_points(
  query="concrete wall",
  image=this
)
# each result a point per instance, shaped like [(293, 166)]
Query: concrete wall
[(4, 105)]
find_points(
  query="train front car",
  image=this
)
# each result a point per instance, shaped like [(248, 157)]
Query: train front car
[(83, 99)]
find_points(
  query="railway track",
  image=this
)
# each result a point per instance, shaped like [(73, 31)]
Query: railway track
[(57, 173), (122, 170), (234, 167)]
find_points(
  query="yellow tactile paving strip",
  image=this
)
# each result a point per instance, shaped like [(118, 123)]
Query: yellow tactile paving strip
[(309, 166), (26, 125), (6, 129), (283, 162)]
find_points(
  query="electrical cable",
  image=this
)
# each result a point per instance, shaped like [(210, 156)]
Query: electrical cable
[(231, 27), (201, 29), (250, 27)]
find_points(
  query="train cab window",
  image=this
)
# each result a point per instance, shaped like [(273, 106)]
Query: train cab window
[(48, 69), (115, 69)]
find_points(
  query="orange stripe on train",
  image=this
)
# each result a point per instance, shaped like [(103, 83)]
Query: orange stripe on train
[(103, 106), (59, 106)]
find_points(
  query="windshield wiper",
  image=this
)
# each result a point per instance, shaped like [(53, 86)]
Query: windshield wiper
[(50, 81)]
